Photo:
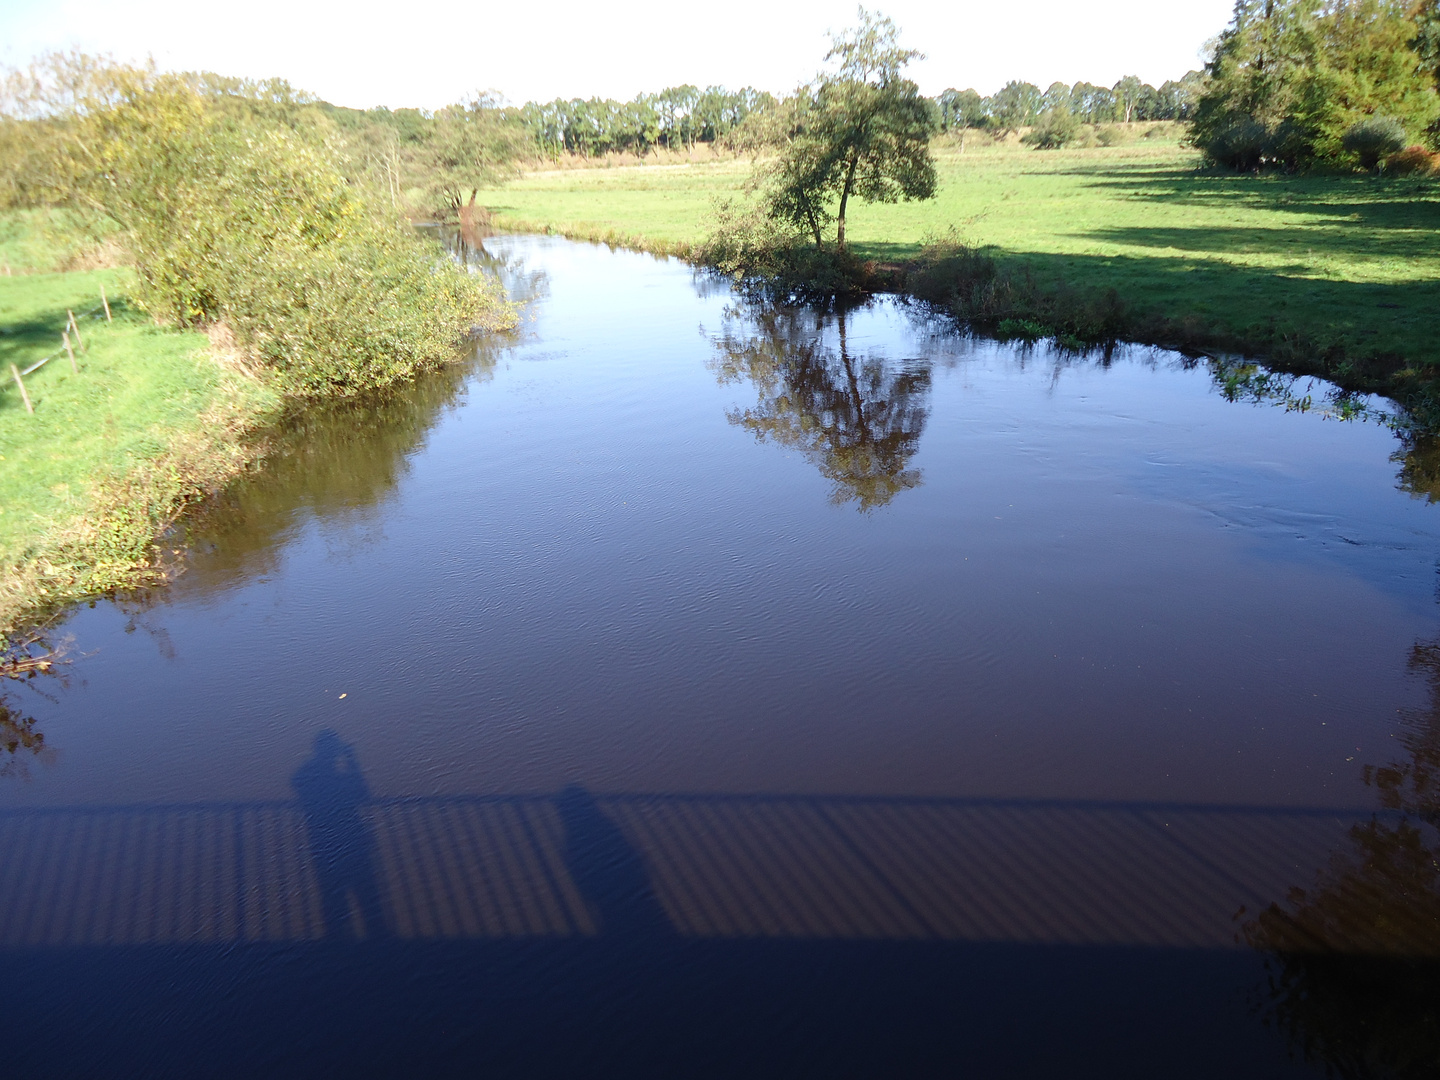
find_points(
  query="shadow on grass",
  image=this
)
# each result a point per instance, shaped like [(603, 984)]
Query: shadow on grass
[(1200, 303), (27, 340), (1400, 203), (1339, 241)]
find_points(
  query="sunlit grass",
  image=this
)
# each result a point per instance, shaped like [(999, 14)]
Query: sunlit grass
[(1348, 260), (137, 389)]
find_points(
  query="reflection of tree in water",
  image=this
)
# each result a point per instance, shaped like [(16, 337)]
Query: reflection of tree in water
[(24, 659), (858, 419), (1355, 960), (20, 741), (467, 247), (1419, 462), (339, 459)]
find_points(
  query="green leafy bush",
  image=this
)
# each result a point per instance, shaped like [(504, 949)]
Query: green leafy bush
[(774, 259), (243, 215), (1241, 144), (1055, 128), (1374, 138)]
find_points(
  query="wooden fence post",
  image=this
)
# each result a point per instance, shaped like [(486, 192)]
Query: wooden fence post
[(75, 326), (65, 337), (20, 383), (106, 302)]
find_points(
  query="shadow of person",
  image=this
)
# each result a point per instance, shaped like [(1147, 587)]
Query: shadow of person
[(332, 792), (609, 872)]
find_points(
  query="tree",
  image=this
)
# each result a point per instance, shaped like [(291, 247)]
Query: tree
[(861, 130), (469, 146), (1426, 16), (1058, 96), (1288, 79), (1128, 93), (1016, 105), (1055, 128)]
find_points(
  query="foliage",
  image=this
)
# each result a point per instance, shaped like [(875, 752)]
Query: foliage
[(1014, 106), (235, 208), (1289, 78), (1374, 138), (768, 257), (861, 130), (468, 147), (961, 109), (1413, 161), (976, 288), (676, 117), (1242, 143), (1057, 127)]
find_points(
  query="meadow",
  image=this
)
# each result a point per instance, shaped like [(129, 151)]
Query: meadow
[(1346, 263), (113, 449)]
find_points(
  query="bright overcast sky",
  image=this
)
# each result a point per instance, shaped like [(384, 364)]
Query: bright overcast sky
[(429, 52)]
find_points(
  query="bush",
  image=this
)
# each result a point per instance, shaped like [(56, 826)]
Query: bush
[(770, 259), (972, 286), (1112, 136), (1373, 139), (1413, 161), (329, 292), (1056, 128), (1240, 145), (232, 214)]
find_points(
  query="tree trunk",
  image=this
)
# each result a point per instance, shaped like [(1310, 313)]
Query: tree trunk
[(845, 198), (814, 224)]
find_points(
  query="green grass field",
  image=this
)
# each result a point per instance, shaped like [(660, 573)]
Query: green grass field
[(1351, 261), (138, 390)]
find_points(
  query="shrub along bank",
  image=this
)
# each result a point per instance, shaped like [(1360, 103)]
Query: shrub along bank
[(232, 209)]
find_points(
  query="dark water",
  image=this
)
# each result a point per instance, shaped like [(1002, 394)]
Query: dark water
[(685, 690)]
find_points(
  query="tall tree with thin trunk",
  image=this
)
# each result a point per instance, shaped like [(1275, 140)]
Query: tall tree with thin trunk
[(861, 130)]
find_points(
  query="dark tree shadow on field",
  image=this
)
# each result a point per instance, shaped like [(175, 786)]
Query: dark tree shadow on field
[(1201, 302), (332, 793), (1360, 201), (1224, 239)]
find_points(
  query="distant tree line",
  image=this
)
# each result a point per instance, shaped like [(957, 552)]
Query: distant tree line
[(445, 156), (1022, 104), (1303, 83)]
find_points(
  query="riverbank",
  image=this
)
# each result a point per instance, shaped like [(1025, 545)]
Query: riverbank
[(150, 421), (1336, 276)]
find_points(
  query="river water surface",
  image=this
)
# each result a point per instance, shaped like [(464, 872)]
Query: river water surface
[(683, 688)]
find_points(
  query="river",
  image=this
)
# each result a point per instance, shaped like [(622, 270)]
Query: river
[(680, 687)]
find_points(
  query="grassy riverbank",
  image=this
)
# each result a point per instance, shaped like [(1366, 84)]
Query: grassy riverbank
[(152, 420), (1341, 266)]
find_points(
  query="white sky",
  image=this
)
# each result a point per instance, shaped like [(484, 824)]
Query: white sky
[(430, 52)]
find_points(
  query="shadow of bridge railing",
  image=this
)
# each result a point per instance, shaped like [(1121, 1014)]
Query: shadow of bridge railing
[(707, 866)]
